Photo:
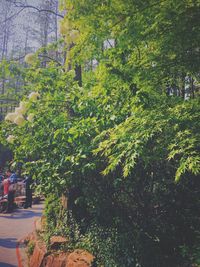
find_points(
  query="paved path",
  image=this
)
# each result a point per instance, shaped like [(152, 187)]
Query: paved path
[(14, 227)]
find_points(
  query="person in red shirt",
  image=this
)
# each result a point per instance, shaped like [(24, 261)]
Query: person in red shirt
[(6, 184), (9, 190)]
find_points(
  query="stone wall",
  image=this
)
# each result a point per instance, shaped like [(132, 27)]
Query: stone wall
[(54, 257)]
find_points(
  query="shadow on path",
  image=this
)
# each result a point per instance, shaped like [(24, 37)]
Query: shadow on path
[(37, 208), (8, 243), (22, 214), (2, 264)]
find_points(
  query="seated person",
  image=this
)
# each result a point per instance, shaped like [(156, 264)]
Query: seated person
[(13, 177)]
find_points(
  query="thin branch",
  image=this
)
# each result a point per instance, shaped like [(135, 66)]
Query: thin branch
[(23, 6), (14, 15), (124, 16), (17, 59), (53, 59), (40, 10), (110, 43)]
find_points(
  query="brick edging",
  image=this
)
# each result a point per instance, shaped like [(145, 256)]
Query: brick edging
[(19, 258)]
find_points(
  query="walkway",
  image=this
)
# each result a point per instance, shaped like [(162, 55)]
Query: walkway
[(14, 227)]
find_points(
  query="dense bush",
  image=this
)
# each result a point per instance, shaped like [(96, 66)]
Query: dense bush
[(5, 155)]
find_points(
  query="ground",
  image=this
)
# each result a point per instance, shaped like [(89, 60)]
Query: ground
[(14, 227)]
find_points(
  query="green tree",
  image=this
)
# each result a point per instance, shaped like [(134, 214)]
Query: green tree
[(125, 153)]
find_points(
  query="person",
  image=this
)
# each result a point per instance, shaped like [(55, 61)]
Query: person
[(6, 184), (5, 194), (28, 202), (13, 177), (1, 176), (1, 182), (9, 189)]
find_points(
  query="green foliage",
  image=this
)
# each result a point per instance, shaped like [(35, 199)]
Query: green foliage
[(60, 222), (154, 43), (5, 155), (154, 134), (110, 247), (52, 212), (124, 153), (30, 248)]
